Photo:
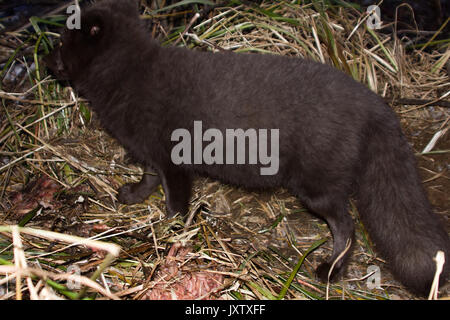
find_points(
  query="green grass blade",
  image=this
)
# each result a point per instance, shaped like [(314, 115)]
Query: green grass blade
[(287, 284), (182, 3)]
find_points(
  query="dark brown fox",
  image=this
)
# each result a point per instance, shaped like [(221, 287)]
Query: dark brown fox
[(336, 138)]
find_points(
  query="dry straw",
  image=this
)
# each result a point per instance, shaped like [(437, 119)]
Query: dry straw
[(247, 238)]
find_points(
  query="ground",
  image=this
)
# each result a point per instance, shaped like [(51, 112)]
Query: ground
[(59, 171)]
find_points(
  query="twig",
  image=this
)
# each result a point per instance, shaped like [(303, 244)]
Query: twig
[(194, 18), (46, 14), (19, 159), (347, 247), (7, 96), (422, 102), (440, 260)]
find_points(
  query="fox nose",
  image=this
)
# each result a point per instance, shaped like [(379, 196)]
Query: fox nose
[(54, 62)]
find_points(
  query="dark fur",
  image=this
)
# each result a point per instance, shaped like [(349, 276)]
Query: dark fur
[(337, 138)]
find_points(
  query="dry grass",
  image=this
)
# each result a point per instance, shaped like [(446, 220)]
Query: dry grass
[(59, 172)]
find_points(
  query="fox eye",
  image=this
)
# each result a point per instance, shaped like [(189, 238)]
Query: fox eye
[(95, 30)]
